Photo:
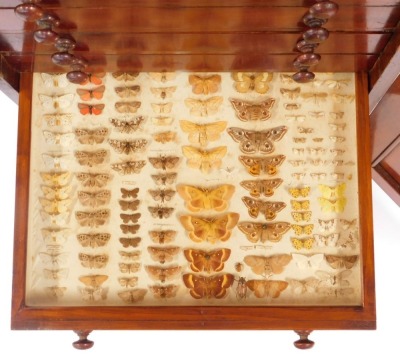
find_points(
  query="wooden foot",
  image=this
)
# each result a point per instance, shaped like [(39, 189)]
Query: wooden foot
[(303, 343), (83, 343)]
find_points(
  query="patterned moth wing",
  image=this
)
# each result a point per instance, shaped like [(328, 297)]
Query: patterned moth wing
[(91, 294), (260, 187), (95, 79), (92, 219), (127, 107), (257, 141), (163, 292), (58, 138), (56, 80), (266, 208), (56, 192), (93, 260), (291, 94), (93, 280), (55, 292), (299, 192), (55, 179), (91, 136), (132, 296), (306, 243), (131, 205), (198, 199), (303, 229), (163, 92), (332, 192), (267, 266), (127, 126), (332, 205), (129, 167), (300, 205), (165, 137), (210, 229), (93, 240), (129, 193), (266, 288), (55, 274), (164, 179), (130, 241), (264, 232), (130, 256), (164, 162), (205, 84), (251, 111), (163, 274), (126, 218), (91, 158), (129, 267), (207, 261), (202, 134), (127, 91), (162, 237), (125, 76), (339, 262), (204, 108), (328, 240), (163, 76), (162, 195), (204, 160), (58, 119), (128, 146), (334, 279), (256, 166), (94, 199), (162, 108), (160, 212), (208, 287), (163, 254), (247, 82), (55, 235), (128, 281), (54, 206), (93, 179), (129, 228), (306, 286), (90, 109)]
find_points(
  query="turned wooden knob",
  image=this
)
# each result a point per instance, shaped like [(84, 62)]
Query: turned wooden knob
[(62, 58), (83, 343), (45, 36), (324, 9), (29, 11), (79, 62), (303, 76), (303, 343), (305, 47), (77, 76), (65, 43), (48, 20), (306, 60), (313, 22), (315, 35)]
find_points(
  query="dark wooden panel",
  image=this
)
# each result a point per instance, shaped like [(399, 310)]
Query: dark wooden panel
[(391, 163), (390, 186)]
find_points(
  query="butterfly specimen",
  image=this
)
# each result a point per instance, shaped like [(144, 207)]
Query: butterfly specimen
[(56, 161), (162, 237), (162, 195), (305, 229), (332, 83), (90, 158), (129, 193), (56, 138), (336, 139), (128, 281), (336, 115), (127, 107), (338, 262), (90, 109), (95, 79), (55, 291), (128, 146), (336, 127), (129, 167), (167, 291), (210, 229), (262, 165), (246, 82), (264, 232), (207, 261), (337, 152), (247, 111), (93, 179), (130, 256), (205, 84), (92, 219), (315, 97), (54, 80), (94, 199), (132, 296), (260, 187), (91, 136), (343, 98), (163, 254), (160, 211), (204, 108), (295, 118), (257, 141), (58, 120), (55, 235), (266, 208), (298, 151), (164, 162), (300, 205), (318, 176), (55, 274), (127, 91), (93, 240), (162, 121), (299, 243), (56, 192), (329, 240), (125, 75), (327, 225), (164, 137), (332, 205), (162, 108), (164, 179), (312, 261), (299, 192), (129, 228), (332, 192), (93, 261), (316, 115), (348, 224), (299, 139), (129, 267), (127, 126), (201, 134), (208, 287), (163, 274), (126, 218), (198, 199), (53, 258), (55, 218), (290, 93), (301, 216), (267, 266), (303, 130), (266, 288), (56, 102), (93, 294), (297, 162), (164, 92), (88, 94), (93, 280), (163, 76), (205, 160), (130, 241), (300, 287), (55, 205), (292, 106)]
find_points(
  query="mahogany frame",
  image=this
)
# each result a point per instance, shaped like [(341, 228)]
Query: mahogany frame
[(193, 317)]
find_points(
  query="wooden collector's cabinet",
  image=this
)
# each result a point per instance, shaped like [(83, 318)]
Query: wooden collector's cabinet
[(189, 200)]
